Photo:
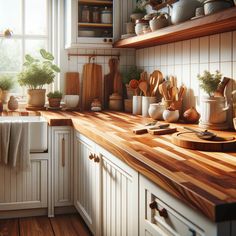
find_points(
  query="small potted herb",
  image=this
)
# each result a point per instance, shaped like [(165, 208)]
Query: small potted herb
[(37, 73), (139, 11), (54, 99), (6, 84)]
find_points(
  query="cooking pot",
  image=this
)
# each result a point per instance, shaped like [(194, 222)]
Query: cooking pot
[(183, 10)]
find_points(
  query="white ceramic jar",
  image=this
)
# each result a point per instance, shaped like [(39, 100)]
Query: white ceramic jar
[(155, 111), (106, 16), (137, 105), (146, 101), (139, 26), (171, 116)]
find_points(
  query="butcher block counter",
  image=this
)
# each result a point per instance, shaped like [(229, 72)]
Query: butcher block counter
[(206, 181)]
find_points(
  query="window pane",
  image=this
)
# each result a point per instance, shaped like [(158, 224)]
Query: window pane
[(32, 46), (10, 16), (11, 55), (36, 17)]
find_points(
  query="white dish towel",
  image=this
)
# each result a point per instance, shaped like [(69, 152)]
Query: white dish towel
[(14, 144)]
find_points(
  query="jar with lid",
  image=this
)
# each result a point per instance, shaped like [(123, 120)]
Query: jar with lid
[(106, 16), (139, 25), (86, 15), (96, 15)]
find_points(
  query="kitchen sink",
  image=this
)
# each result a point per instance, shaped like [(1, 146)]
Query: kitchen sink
[(38, 131)]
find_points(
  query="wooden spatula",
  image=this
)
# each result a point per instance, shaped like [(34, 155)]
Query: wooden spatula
[(143, 85)]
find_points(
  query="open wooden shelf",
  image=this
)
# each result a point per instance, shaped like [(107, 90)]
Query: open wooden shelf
[(95, 2), (97, 25), (216, 23)]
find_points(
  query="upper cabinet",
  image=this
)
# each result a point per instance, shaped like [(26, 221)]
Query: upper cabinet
[(92, 23)]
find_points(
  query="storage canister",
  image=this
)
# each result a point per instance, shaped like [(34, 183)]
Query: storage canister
[(85, 15), (106, 16), (96, 15)]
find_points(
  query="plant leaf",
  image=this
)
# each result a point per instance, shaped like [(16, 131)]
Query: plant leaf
[(46, 55), (29, 58), (55, 68)]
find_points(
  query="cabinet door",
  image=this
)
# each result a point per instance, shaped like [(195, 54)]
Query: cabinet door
[(119, 197), (87, 183), (24, 189), (62, 150)]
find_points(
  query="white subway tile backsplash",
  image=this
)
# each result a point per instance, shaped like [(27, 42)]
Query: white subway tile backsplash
[(194, 53), (151, 56), (145, 57), (203, 67), (204, 49), (226, 47), (186, 52), (170, 57), (164, 55), (193, 77), (178, 53), (214, 48), (214, 66), (157, 56)]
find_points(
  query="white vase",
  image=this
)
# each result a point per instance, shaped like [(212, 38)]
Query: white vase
[(137, 105), (146, 101)]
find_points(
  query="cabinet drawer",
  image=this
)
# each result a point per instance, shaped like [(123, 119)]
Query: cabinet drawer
[(167, 220)]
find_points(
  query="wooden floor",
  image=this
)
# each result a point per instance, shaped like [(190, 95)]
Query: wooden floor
[(63, 225)]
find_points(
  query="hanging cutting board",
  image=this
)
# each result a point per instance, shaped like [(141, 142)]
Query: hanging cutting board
[(92, 84), (72, 83), (191, 141)]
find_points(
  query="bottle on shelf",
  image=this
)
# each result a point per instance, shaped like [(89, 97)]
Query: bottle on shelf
[(96, 15), (86, 15)]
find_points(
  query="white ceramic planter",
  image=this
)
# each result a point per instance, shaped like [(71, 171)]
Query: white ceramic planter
[(146, 101), (155, 111)]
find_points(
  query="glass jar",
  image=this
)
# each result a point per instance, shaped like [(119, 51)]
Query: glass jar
[(106, 16), (96, 15), (85, 15)]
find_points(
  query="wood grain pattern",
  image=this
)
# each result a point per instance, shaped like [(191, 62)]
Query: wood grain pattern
[(72, 83), (33, 226), (213, 24), (9, 227), (171, 167)]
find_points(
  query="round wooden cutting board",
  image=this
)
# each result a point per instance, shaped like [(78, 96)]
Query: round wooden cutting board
[(191, 141)]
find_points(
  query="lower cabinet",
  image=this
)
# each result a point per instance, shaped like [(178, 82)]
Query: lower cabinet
[(106, 190), (24, 189), (163, 215), (62, 155)]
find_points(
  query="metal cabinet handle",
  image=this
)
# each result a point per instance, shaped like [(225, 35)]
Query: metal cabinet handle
[(63, 151), (91, 156), (193, 232), (97, 159), (163, 212)]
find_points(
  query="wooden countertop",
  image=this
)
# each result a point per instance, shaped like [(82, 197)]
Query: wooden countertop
[(206, 181)]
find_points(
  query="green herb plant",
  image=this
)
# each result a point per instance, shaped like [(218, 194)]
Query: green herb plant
[(6, 82), (38, 72), (209, 82), (131, 73), (55, 94), (139, 7)]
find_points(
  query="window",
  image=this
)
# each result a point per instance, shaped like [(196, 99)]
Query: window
[(29, 22)]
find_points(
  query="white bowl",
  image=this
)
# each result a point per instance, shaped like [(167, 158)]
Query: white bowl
[(71, 101)]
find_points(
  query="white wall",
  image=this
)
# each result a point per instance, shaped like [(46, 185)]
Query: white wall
[(187, 58)]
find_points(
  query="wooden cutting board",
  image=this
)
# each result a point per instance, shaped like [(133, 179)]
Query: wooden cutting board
[(72, 83), (92, 84), (191, 141)]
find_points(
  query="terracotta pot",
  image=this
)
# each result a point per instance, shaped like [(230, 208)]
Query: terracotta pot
[(36, 98), (4, 96), (54, 102)]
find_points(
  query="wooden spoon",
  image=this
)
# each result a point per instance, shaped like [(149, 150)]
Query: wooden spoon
[(143, 85)]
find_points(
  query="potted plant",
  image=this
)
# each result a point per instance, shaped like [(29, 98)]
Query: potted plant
[(54, 99), (139, 11), (37, 73), (213, 108), (6, 84), (129, 76)]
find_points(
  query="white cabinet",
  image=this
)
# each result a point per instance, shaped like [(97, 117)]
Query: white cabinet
[(119, 196), (62, 159), (90, 34), (106, 190), (87, 183), (24, 189), (163, 215)]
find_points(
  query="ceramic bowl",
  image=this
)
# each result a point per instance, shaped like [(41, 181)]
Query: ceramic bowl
[(212, 6), (171, 116), (71, 101), (156, 110)]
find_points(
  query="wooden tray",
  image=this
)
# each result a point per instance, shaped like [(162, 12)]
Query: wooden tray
[(191, 141)]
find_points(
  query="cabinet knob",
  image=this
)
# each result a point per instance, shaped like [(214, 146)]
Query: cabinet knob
[(104, 40), (193, 232), (97, 159), (110, 40), (163, 212), (91, 156)]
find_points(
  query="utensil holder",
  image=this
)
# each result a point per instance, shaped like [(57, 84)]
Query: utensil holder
[(137, 105), (146, 101)]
